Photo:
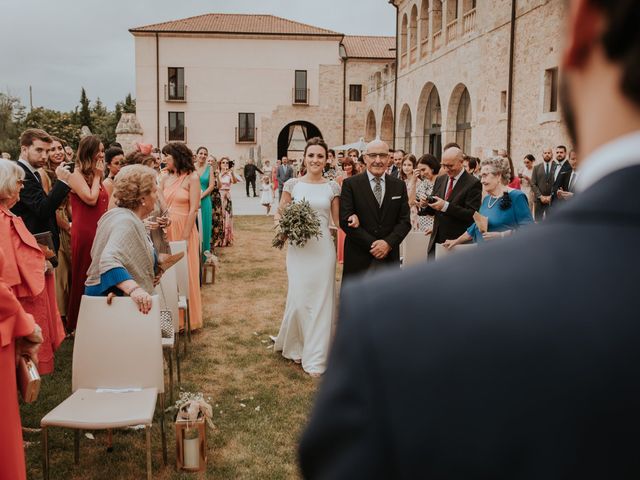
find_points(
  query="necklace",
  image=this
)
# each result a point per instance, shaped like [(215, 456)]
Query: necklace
[(491, 205)]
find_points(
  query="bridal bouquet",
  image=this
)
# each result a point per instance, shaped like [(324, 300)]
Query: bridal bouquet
[(298, 223)]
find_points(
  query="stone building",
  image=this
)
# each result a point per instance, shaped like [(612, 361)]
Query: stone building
[(252, 86), (476, 72)]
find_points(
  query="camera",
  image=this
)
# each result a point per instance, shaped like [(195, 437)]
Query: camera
[(71, 165), (431, 199)]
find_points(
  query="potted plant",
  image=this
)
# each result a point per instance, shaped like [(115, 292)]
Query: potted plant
[(192, 412)]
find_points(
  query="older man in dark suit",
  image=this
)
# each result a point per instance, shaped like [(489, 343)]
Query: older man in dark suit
[(37, 208), (478, 385), (456, 197), (380, 203)]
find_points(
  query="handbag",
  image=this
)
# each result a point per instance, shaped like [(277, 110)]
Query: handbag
[(166, 319), (28, 379)]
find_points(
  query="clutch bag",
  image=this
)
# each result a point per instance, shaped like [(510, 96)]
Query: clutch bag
[(28, 380)]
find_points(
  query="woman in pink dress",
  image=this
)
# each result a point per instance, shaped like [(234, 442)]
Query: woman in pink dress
[(348, 170), (89, 201), (181, 191), (227, 178)]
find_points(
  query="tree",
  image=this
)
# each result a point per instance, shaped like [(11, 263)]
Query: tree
[(12, 114), (85, 111)]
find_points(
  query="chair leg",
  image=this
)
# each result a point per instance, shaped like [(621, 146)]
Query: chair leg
[(170, 360), (189, 321), (177, 352), (45, 453), (76, 446), (162, 432), (148, 435)]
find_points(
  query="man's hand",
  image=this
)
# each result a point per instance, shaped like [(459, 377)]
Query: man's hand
[(449, 244), (545, 199), (354, 221), (438, 204), (562, 195), (380, 249), (63, 173)]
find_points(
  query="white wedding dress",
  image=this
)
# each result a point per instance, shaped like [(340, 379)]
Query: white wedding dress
[(307, 324)]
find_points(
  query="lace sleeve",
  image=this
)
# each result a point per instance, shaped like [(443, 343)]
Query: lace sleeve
[(289, 185), (335, 189)]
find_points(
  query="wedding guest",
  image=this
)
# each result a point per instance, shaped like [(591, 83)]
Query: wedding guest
[(217, 214), (68, 151), (427, 170), (472, 166), (514, 180), (89, 201), (250, 176), (207, 183), (348, 170), (525, 177), (456, 197), (407, 169), (266, 198), (26, 269), (123, 258), (181, 191), (274, 178), (568, 187), (395, 162), (562, 172), (113, 157), (506, 209), (63, 217), (361, 165), (331, 170), (542, 180), (283, 173), (227, 179), (19, 336), (37, 208)]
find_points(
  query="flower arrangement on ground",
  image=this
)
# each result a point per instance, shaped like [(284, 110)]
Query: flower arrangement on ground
[(298, 223), (191, 407)]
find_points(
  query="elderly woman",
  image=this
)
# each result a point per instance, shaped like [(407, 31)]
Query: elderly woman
[(26, 270), (506, 209), (123, 260)]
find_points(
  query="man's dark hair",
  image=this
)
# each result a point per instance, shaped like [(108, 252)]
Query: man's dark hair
[(473, 162), (563, 148), (621, 42), (401, 151), (32, 134)]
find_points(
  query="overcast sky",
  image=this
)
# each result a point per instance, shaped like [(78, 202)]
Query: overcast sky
[(59, 46)]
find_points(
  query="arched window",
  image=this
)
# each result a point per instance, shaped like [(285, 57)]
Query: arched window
[(407, 132), (370, 131), (413, 35), (403, 41), (386, 128), (433, 125), (437, 24), (424, 28), (463, 122)]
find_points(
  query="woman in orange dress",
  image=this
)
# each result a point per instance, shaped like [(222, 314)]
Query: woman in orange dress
[(348, 168), (181, 191), (89, 201), (24, 271)]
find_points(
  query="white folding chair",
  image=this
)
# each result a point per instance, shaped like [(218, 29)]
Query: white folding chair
[(167, 289), (182, 276), (415, 248), (442, 252), (117, 373)]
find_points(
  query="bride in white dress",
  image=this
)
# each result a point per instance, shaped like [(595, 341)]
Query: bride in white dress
[(307, 324)]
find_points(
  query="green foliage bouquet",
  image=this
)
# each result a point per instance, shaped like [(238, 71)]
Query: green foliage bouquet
[(298, 223)]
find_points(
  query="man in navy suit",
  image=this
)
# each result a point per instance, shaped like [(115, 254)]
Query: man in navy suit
[(37, 208), (478, 383)]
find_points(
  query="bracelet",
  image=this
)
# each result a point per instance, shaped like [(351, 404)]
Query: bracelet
[(133, 290)]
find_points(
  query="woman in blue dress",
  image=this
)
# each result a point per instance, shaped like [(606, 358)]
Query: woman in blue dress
[(506, 209)]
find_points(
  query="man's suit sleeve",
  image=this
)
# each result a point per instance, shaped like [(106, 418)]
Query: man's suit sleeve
[(347, 208), (471, 205), (403, 225), (535, 188), (40, 205), (344, 438)]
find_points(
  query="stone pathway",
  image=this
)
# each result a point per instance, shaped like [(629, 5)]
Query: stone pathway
[(247, 206)]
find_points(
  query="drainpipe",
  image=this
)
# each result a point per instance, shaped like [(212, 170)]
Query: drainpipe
[(395, 83), (511, 67), (343, 55), (157, 91)]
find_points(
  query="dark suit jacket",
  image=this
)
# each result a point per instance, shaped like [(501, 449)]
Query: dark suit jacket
[(391, 222), (37, 209), (541, 184), (465, 200), (481, 384), (565, 183), (250, 171), (562, 178)]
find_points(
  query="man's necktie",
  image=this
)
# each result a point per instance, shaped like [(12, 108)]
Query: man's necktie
[(377, 190), (449, 188), (37, 175), (546, 169)]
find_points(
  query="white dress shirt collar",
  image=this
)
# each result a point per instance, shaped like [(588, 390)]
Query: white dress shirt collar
[(28, 165), (620, 153), (372, 176)]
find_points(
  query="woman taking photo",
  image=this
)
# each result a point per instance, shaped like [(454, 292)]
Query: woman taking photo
[(227, 179), (426, 172), (505, 208), (207, 183), (89, 201), (181, 191)]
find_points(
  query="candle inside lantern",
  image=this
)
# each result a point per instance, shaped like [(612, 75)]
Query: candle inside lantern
[(191, 452)]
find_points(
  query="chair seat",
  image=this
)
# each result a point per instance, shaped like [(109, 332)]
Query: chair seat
[(182, 302), (168, 342), (89, 409)]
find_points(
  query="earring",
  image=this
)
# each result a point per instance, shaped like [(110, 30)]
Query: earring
[(143, 204)]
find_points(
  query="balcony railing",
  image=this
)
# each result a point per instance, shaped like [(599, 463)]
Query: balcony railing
[(469, 21), (176, 135), (300, 96), (424, 47), (246, 135), (403, 60), (437, 40), (452, 31), (175, 93), (413, 55)]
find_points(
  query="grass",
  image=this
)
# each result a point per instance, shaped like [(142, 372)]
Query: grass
[(228, 361)]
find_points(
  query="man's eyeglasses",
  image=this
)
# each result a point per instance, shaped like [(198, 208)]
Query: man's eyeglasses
[(382, 156)]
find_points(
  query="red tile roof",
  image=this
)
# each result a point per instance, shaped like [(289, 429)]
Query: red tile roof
[(236, 24), (370, 47)]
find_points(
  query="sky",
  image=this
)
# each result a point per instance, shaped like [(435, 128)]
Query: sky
[(59, 46)]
